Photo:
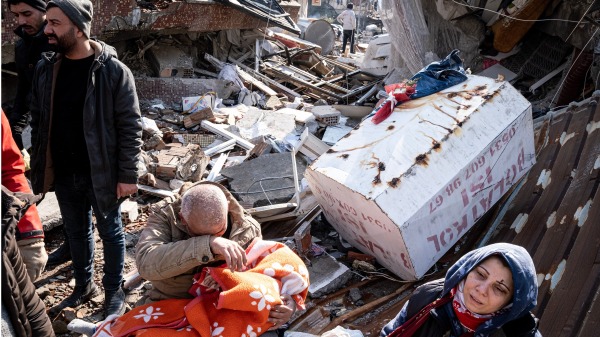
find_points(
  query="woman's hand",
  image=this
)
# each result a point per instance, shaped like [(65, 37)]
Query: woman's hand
[(281, 314)]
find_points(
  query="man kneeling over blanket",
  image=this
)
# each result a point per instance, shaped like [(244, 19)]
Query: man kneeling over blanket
[(184, 240), (240, 305)]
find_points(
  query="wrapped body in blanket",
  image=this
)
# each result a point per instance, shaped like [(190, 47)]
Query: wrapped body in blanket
[(240, 307)]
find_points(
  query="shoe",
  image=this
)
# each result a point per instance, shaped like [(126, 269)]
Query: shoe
[(60, 255), (114, 303), (80, 295)]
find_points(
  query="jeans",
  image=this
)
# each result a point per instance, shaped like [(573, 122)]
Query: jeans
[(438, 76), (348, 35), (76, 199)]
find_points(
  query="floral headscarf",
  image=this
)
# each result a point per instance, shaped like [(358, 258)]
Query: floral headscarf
[(524, 281)]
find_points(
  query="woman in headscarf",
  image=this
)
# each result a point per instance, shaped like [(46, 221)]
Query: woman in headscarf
[(488, 292)]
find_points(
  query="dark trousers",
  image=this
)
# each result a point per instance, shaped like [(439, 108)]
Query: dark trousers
[(75, 196), (348, 35)]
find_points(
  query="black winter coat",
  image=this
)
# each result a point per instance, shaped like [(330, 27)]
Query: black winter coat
[(28, 51), (112, 125)]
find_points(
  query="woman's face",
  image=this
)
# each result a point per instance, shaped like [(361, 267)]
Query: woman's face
[(488, 287)]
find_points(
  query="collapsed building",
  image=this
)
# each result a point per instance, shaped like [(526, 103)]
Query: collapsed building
[(230, 93)]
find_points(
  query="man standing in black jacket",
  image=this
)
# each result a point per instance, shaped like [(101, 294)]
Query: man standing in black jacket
[(86, 135), (31, 20)]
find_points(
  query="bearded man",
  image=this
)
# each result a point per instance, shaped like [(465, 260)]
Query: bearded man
[(86, 135), (31, 21)]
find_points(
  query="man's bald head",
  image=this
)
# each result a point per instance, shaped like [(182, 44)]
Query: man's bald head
[(204, 210)]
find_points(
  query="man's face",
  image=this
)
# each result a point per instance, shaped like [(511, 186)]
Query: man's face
[(61, 31), (198, 228), (28, 18)]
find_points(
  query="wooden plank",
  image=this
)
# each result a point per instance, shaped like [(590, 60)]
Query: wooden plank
[(216, 169), (155, 191), (508, 32), (214, 128), (206, 72), (289, 92), (258, 84), (259, 149), (297, 81), (220, 148)]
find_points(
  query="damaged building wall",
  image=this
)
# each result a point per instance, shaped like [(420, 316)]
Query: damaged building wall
[(419, 33), (405, 22), (122, 19), (170, 90)]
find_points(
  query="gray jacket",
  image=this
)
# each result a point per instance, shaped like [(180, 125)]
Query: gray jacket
[(112, 124)]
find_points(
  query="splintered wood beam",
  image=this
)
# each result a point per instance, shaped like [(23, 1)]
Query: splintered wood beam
[(258, 84), (365, 308), (299, 82), (289, 92), (214, 61)]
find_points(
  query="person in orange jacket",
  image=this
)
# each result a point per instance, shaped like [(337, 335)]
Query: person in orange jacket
[(30, 234)]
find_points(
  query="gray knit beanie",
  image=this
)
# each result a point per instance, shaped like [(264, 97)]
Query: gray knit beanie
[(80, 12), (40, 5)]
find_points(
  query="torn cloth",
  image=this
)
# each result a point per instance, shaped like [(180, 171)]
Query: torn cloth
[(435, 77), (241, 306)]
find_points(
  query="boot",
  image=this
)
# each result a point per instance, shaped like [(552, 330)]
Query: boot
[(114, 303), (80, 295), (60, 255)]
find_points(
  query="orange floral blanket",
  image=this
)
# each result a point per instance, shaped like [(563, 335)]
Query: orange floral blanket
[(240, 307)]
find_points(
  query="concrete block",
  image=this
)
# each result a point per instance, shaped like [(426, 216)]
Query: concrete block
[(258, 122), (129, 211), (327, 275), (252, 181), (49, 212), (170, 61)]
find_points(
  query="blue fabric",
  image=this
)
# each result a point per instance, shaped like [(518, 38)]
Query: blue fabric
[(524, 281), (438, 76), (75, 197)]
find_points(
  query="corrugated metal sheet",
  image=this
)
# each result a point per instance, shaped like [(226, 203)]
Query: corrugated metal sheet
[(267, 10)]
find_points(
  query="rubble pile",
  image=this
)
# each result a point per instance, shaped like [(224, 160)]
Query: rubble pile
[(254, 108)]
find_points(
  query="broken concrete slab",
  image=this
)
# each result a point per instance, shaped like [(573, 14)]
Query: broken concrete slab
[(258, 122), (301, 116), (266, 180), (49, 212), (335, 132), (326, 275), (170, 61)]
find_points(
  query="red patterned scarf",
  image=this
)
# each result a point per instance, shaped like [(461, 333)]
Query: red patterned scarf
[(468, 319)]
